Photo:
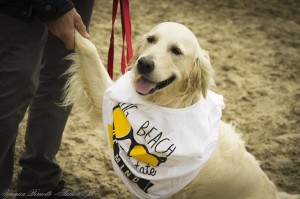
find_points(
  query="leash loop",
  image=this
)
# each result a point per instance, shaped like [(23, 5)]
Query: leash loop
[(126, 36)]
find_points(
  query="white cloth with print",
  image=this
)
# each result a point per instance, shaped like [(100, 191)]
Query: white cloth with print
[(166, 148)]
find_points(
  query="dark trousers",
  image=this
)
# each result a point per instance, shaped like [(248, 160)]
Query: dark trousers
[(31, 65)]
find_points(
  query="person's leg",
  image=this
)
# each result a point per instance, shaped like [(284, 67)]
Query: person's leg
[(21, 48), (47, 120)]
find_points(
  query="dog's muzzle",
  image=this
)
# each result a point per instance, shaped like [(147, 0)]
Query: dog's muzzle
[(144, 85)]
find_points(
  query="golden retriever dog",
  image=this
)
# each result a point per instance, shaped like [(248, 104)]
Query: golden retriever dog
[(169, 79)]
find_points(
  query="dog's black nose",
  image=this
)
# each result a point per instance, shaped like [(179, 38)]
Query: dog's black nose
[(145, 65)]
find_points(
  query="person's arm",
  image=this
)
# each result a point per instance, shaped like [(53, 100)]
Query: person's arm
[(61, 18)]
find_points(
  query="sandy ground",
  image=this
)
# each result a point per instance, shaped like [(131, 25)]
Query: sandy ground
[(254, 48)]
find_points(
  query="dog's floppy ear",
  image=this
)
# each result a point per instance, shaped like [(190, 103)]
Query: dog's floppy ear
[(201, 76)]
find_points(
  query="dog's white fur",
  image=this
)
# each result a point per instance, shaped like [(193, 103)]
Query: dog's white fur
[(231, 172), (86, 85)]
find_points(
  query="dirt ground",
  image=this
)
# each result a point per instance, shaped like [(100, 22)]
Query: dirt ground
[(254, 48)]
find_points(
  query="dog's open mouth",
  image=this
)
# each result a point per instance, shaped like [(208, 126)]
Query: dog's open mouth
[(144, 86)]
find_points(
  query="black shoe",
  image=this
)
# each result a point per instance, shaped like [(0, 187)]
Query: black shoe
[(60, 192)]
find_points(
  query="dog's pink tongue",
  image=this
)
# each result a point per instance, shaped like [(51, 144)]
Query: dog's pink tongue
[(144, 86)]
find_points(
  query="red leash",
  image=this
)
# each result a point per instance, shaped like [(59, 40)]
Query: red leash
[(126, 34)]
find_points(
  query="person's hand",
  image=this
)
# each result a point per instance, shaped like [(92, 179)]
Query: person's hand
[(64, 26)]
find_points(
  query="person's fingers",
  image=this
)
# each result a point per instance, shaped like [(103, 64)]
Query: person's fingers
[(80, 27), (69, 40), (66, 34)]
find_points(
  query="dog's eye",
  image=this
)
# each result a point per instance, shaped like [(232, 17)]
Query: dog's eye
[(176, 51), (151, 39)]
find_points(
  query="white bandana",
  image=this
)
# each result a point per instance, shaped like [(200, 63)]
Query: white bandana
[(155, 150)]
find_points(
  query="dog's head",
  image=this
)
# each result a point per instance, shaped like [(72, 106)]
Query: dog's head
[(170, 68)]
